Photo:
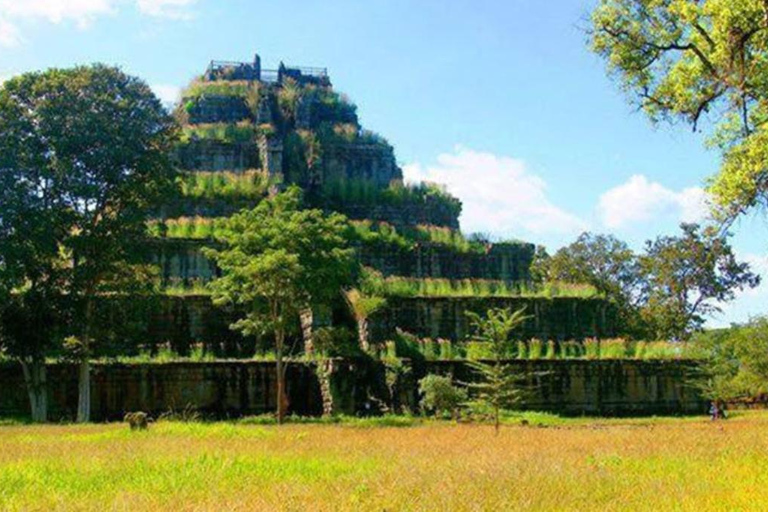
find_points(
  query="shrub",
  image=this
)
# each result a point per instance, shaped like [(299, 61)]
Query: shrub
[(247, 90), (662, 350), (613, 349), (407, 345), (398, 286), (571, 350), (429, 348), (447, 352), (251, 184), (592, 348), (478, 350), (551, 352), (244, 131), (440, 396), (522, 350), (535, 349)]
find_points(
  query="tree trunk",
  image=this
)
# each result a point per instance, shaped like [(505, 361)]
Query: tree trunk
[(362, 334), (35, 380), (84, 372), (306, 317), (84, 392), (324, 371), (281, 400)]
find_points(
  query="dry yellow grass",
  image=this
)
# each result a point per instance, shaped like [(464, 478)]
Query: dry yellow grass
[(664, 465)]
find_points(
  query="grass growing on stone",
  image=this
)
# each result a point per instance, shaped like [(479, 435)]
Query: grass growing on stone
[(397, 286), (647, 464)]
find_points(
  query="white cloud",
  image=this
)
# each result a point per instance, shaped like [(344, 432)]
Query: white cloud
[(640, 200), (80, 12), (175, 9), (168, 94), (9, 34), (498, 193)]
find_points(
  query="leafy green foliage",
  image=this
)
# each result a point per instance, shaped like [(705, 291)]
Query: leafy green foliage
[(602, 261), (683, 59), (278, 260), (336, 342), (89, 150), (735, 361), (686, 276), (378, 234), (189, 227), (440, 395), (665, 292)]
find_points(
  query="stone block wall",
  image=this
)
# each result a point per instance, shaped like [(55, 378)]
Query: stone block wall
[(218, 109), (189, 320), (505, 262), (181, 259), (555, 318), (371, 162), (429, 213), (210, 155), (238, 388), (215, 389)]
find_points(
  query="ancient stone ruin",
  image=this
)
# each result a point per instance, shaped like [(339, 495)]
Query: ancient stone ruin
[(249, 131)]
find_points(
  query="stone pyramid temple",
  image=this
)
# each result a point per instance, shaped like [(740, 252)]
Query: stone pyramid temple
[(249, 131)]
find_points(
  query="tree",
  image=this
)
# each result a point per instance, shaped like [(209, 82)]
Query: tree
[(498, 388), (686, 276), (276, 261), (606, 263), (684, 59), (440, 396), (734, 361), (98, 142), (32, 223)]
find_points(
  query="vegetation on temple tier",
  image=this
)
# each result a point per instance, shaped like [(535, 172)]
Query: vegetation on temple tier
[(242, 132), (227, 185), (397, 286), (337, 194)]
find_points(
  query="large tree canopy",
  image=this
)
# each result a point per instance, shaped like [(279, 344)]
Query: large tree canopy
[(685, 59), (686, 278), (85, 155), (665, 292)]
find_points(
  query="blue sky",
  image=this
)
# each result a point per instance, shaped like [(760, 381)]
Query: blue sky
[(502, 101)]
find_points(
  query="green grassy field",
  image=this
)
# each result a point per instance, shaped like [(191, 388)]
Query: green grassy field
[(664, 464)]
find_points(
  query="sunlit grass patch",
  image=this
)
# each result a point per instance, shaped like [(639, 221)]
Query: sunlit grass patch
[(162, 476), (365, 464)]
